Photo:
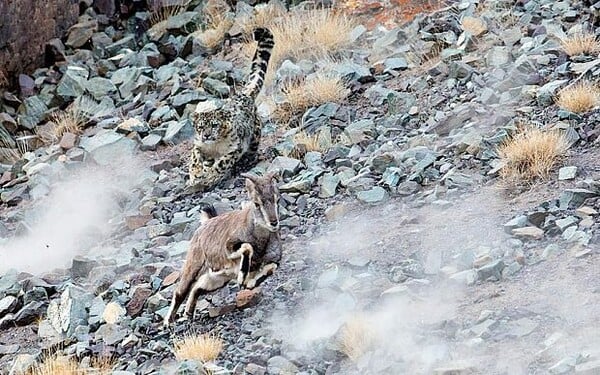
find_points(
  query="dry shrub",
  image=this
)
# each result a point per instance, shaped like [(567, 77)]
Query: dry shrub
[(530, 154), (356, 337), (299, 95), (304, 142), (160, 15), (303, 33), (473, 25), (583, 43), (579, 98), (61, 365), (12, 150), (203, 348), (72, 120)]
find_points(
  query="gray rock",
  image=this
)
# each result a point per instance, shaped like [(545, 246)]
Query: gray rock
[(127, 79), (21, 364), (352, 71), (287, 166), (573, 198), (329, 185), (9, 284), (498, 56), (108, 147), (521, 327), (30, 313), (528, 233), (100, 87), (517, 222), (150, 142), (395, 63), (110, 334), (460, 70), (81, 266), (491, 271), (215, 87), (73, 82), (8, 305), (547, 93), (375, 195), (279, 365), (70, 311), (359, 131), (9, 349), (254, 369), (567, 173), (178, 132), (563, 224), (32, 111), (190, 367)]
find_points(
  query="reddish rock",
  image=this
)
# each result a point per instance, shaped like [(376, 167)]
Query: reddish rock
[(136, 304), (6, 177), (171, 279), (68, 141), (21, 45), (137, 221), (215, 311), (247, 298)]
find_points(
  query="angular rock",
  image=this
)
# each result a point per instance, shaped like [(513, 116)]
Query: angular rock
[(81, 266), (373, 196), (528, 233), (8, 304), (279, 365), (70, 311), (108, 147), (138, 299), (567, 173), (247, 298)]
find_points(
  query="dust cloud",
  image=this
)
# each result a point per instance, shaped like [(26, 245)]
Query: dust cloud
[(81, 208), (431, 323)]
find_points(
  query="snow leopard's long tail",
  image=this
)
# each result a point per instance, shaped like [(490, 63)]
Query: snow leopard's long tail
[(260, 62)]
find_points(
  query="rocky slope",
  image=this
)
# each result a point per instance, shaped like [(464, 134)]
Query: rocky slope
[(399, 227)]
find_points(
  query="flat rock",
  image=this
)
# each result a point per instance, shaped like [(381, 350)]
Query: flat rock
[(528, 233), (279, 365), (138, 299), (375, 195), (567, 173), (247, 298), (8, 305)]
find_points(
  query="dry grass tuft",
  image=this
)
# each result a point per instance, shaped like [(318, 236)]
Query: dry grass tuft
[(160, 15), (300, 95), (56, 365), (356, 338), (580, 97), (3, 79), (530, 154), (473, 25), (72, 120), (583, 43), (302, 34), (60, 365), (304, 142), (203, 348), (212, 38)]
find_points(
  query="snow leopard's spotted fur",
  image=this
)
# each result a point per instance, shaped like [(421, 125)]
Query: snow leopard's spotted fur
[(228, 135)]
